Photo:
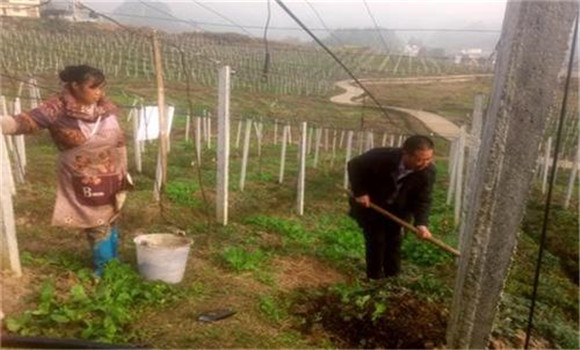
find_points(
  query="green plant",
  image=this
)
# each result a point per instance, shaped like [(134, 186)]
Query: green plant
[(240, 259), (292, 231), (101, 311), (422, 253), (182, 193), (342, 240), (271, 308)]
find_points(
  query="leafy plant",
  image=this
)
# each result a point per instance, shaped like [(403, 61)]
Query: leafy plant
[(342, 239), (101, 311), (292, 231), (422, 253), (240, 259), (182, 193)]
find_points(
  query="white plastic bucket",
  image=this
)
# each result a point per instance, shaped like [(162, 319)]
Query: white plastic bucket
[(162, 256)]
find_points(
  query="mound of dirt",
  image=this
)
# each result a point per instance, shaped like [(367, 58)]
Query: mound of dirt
[(407, 321)]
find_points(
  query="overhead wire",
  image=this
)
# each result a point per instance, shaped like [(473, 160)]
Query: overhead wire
[(223, 17), (317, 29), (378, 29), (330, 32), (349, 72), (266, 68)]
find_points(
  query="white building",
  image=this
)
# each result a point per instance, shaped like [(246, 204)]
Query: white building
[(411, 50), (68, 10), (20, 8)]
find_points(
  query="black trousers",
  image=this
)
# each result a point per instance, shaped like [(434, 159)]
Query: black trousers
[(383, 241)]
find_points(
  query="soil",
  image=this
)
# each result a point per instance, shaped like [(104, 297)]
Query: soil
[(305, 272), (408, 323), (13, 291)]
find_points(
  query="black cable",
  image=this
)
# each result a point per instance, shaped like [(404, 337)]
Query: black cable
[(316, 29), (330, 32), (266, 69), (191, 23), (291, 14), (223, 17), (198, 165), (376, 26), (551, 186)]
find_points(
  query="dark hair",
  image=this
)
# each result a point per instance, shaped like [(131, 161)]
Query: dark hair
[(416, 143), (81, 74)]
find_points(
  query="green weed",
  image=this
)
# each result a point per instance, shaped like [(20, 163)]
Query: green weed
[(183, 193), (240, 259), (292, 231), (101, 311), (422, 253), (270, 307)]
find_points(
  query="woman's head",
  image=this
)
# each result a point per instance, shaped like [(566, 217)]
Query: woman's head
[(86, 83)]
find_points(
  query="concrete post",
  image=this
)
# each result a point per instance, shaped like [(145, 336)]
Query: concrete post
[(459, 177), (283, 153), (223, 146), (334, 135), (9, 255), (546, 167), (532, 49), (572, 179), (238, 134), (198, 140), (187, 126), (275, 131), (317, 136), (302, 169), (136, 142), (309, 146), (472, 151), (347, 157), (246, 151)]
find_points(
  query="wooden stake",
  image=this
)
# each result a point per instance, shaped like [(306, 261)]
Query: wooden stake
[(161, 106)]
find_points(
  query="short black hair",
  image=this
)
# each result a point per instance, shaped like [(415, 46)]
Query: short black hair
[(416, 143), (81, 74)]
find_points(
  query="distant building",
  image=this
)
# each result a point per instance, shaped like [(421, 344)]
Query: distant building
[(68, 10), (411, 50), (20, 8), (473, 57)]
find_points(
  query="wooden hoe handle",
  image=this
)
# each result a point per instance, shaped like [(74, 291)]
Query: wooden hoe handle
[(407, 226)]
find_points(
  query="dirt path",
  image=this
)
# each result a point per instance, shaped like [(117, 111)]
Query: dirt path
[(434, 122)]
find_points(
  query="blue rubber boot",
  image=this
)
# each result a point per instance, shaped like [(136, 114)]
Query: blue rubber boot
[(115, 241), (104, 250)]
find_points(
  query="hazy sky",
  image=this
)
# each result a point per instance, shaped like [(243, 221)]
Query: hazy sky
[(338, 13)]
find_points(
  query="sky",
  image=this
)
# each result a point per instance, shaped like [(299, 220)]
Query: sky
[(408, 14)]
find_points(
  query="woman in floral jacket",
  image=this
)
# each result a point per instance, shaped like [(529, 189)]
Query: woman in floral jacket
[(92, 166)]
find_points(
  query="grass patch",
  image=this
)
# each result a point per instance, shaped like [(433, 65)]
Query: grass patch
[(240, 259)]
